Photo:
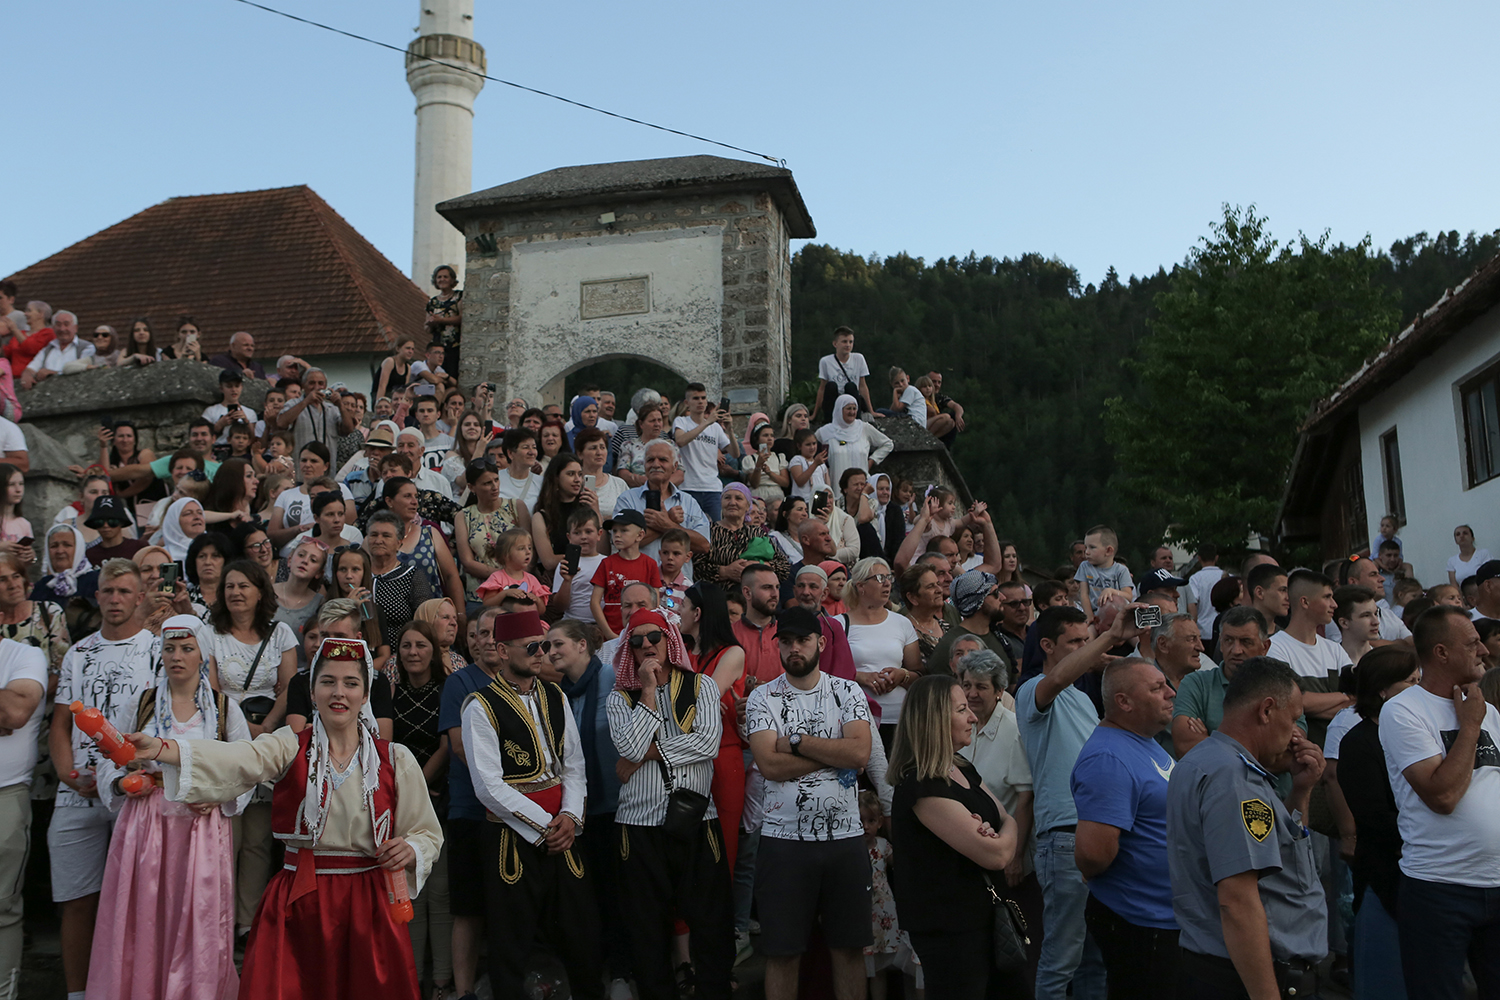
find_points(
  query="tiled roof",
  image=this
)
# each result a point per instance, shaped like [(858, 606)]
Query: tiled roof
[(280, 263), (1452, 312)]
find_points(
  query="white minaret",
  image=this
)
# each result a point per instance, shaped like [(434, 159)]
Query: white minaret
[(445, 128)]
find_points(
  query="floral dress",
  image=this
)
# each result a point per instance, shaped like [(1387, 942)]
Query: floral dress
[(887, 934), (448, 335), (484, 531)]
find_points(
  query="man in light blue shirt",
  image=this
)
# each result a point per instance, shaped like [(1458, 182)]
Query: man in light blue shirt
[(663, 505), (1056, 720)]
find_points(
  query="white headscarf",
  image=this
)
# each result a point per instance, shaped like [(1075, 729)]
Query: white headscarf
[(173, 539), (312, 816), (841, 431), (181, 627), (65, 578), (880, 507)]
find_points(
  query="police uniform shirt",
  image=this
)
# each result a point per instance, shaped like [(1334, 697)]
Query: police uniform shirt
[(1223, 818)]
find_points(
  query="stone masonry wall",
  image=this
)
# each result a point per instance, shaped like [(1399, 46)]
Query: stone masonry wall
[(755, 323)]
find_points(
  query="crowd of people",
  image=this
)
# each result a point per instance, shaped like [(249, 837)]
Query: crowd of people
[(424, 699)]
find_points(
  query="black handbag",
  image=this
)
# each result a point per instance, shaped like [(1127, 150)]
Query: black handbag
[(685, 809), (257, 708), (1010, 937)]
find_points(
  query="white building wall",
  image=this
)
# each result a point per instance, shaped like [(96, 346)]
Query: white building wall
[(1425, 409)]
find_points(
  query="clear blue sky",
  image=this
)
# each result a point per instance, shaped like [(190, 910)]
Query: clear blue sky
[(1100, 133)]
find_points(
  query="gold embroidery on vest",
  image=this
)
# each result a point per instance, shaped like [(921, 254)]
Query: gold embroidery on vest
[(515, 753)]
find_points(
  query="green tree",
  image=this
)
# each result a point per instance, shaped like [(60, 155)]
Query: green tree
[(1247, 336)]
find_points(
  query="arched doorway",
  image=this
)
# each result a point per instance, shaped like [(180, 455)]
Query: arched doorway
[(623, 375)]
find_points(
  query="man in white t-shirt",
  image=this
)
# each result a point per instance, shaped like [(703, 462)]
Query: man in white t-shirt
[(435, 444), (810, 735), (1364, 573), (699, 439), (427, 375), (1442, 752), (841, 372), (1315, 660), (108, 671), (23, 684), (1201, 585), (1487, 599), (64, 348), (13, 443)]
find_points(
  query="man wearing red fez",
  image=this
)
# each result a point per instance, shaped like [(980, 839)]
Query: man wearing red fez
[(528, 768)]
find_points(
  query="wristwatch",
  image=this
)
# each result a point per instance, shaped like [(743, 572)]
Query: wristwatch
[(796, 742)]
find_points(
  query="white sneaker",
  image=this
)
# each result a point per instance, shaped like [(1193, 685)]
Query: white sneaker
[(619, 989), (743, 949), (755, 927)]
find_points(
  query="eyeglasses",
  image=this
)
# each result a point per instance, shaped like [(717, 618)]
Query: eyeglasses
[(102, 333), (1015, 604), (264, 543), (881, 577), (640, 639), (540, 646)]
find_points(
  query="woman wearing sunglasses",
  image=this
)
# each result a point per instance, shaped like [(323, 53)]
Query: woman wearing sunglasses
[(665, 721)]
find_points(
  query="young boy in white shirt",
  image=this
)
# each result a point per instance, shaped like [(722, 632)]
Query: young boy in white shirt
[(840, 372)]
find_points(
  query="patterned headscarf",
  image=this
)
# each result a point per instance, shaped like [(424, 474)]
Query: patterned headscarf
[(65, 578), (185, 627), (312, 816), (626, 677)]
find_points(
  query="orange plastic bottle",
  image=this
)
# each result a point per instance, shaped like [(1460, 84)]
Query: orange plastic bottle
[(104, 735), (135, 782), (396, 897)]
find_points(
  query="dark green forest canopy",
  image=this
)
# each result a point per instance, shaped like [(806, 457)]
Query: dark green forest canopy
[(1032, 353)]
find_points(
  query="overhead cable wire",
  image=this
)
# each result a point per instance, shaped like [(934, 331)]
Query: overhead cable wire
[(510, 83)]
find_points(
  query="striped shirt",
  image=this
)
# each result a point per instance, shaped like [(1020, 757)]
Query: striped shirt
[(689, 757)]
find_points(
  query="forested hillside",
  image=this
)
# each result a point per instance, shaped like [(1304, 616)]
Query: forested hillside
[(1032, 353)]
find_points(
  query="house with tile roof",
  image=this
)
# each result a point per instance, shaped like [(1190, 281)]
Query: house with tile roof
[(1415, 433), (280, 263)]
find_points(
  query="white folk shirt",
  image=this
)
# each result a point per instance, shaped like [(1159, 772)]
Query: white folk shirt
[(487, 768)]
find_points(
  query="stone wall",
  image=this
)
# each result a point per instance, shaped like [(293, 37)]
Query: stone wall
[(754, 320), (162, 399), (922, 458)]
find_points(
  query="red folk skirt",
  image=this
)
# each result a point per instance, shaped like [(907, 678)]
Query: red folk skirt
[(337, 940)]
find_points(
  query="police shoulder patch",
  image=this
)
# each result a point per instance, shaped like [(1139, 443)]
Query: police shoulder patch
[(1258, 817)]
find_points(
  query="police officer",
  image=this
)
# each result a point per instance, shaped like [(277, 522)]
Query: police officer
[(1245, 891)]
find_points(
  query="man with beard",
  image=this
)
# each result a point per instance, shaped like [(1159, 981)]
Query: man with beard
[(810, 734)]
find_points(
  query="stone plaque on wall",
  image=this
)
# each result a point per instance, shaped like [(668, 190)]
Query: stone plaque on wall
[(614, 297)]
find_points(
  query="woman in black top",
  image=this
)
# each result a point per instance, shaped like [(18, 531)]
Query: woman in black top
[(946, 904), (416, 699), (1381, 675)]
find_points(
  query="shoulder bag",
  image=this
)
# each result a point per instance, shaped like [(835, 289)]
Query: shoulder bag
[(256, 708), (1010, 938)]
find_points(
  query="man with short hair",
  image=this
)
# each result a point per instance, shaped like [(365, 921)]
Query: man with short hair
[(810, 734), (662, 504), (1266, 585), (1442, 752), (523, 746), (65, 348), (699, 436), (288, 367), (1202, 584), (313, 417), (817, 542), (107, 670), (228, 410), (1199, 706), (1487, 597), (1315, 660), (1388, 559), (466, 821), (435, 444), (1077, 552), (240, 357), (1244, 888), (1119, 786), (634, 596), (411, 443), (1056, 720), (756, 629), (427, 375), (1015, 615), (1176, 647), (1364, 573)]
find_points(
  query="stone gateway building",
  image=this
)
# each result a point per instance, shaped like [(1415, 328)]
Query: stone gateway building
[(683, 261)]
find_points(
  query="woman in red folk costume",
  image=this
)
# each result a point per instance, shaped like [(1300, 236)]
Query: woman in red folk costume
[(350, 808)]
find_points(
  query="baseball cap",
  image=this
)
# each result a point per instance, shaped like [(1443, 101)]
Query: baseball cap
[(1159, 579), (624, 517), (796, 621), (1487, 571)]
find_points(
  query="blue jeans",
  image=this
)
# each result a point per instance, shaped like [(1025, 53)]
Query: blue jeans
[(708, 501), (1377, 952), (1069, 953)]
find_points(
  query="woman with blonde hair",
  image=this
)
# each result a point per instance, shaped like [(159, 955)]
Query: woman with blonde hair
[(442, 614), (886, 647), (948, 826)]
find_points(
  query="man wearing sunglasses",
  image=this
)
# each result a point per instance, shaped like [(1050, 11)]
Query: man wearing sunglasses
[(527, 765)]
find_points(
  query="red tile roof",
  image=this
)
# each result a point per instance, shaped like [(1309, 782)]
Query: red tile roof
[(280, 263)]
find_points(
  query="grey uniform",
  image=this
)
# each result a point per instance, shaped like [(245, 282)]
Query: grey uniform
[(1223, 818)]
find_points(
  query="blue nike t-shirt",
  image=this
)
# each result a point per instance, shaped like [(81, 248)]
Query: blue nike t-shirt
[(1120, 780)]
